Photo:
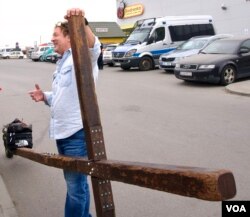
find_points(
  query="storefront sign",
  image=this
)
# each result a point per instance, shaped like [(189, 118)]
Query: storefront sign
[(133, 10), (120, 9), (101, 29)]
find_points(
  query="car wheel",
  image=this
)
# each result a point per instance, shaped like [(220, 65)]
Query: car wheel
[(146, 64), (228, 75)]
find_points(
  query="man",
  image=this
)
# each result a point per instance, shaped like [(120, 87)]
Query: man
[(66, 123), (100, 59)]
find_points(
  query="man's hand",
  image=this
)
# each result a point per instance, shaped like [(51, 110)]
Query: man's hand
[(37, 94), (80, 12), (74, 12)]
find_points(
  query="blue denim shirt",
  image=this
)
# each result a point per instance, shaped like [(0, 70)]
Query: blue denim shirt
[(63, 99)]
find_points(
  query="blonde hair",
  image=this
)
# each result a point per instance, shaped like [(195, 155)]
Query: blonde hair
[(64, 26)]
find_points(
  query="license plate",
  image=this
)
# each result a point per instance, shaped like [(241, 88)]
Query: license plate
[(107, 58), (186, 73), (167, 63)]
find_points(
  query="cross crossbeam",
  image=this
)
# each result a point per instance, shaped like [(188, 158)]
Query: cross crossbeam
[(201, 183)]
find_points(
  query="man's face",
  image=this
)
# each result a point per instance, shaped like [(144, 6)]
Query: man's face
[(61, 42)]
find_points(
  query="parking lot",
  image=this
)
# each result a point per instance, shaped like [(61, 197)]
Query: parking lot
[(147, 116)]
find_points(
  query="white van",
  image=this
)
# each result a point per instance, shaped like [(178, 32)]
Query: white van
[(155, 36), (5, 51)]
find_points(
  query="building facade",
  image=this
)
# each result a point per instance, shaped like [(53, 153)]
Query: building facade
[(108, 32), (229, 16)]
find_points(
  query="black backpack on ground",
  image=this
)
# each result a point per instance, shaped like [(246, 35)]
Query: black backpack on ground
[(16, 134)]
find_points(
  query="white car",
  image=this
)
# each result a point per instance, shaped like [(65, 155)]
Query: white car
[(37, 54), (107, 54), (190, 47), (13, 55)]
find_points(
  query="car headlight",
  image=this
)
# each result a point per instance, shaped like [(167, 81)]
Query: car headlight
[(177, 65), (178, 59), (130, 53), (206, 66)]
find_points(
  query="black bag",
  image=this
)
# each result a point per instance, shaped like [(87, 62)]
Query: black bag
[(17, 134)]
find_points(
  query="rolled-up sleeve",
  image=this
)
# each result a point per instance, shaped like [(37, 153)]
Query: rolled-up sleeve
[(95, 52), (48, 98)]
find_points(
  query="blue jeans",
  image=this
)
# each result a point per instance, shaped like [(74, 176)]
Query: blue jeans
[(78, 198)]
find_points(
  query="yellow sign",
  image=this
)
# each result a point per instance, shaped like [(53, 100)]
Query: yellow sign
[(133, 10)]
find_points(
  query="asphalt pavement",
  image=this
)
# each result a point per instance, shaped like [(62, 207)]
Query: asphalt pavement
[(7, 207)]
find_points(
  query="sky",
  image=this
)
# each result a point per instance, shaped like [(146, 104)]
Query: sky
[(32, 21)]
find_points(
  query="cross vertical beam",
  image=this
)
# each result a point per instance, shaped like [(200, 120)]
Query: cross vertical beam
[(90, 114)]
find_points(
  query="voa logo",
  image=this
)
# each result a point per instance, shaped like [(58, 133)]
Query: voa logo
[(236, 208)]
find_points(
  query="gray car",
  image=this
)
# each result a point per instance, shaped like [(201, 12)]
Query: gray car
[(190, 47), (223, 61)]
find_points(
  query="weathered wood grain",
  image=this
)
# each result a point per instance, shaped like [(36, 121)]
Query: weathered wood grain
[(200, 183)]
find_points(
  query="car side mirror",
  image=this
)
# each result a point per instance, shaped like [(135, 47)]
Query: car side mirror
[(150, 40), (244, 50)]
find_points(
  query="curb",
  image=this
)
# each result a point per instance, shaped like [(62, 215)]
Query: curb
[(239, 89), (7, 208)]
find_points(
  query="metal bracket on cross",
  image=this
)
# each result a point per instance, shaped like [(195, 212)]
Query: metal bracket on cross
[(201, 183)]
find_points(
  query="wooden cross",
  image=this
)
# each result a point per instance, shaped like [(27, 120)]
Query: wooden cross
[(201, 183)]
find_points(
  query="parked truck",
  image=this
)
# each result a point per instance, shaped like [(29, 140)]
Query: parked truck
[(155, 36)]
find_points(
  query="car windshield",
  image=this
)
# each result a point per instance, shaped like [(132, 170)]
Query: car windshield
[(139, 36), (222, 47), (193, 44)]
